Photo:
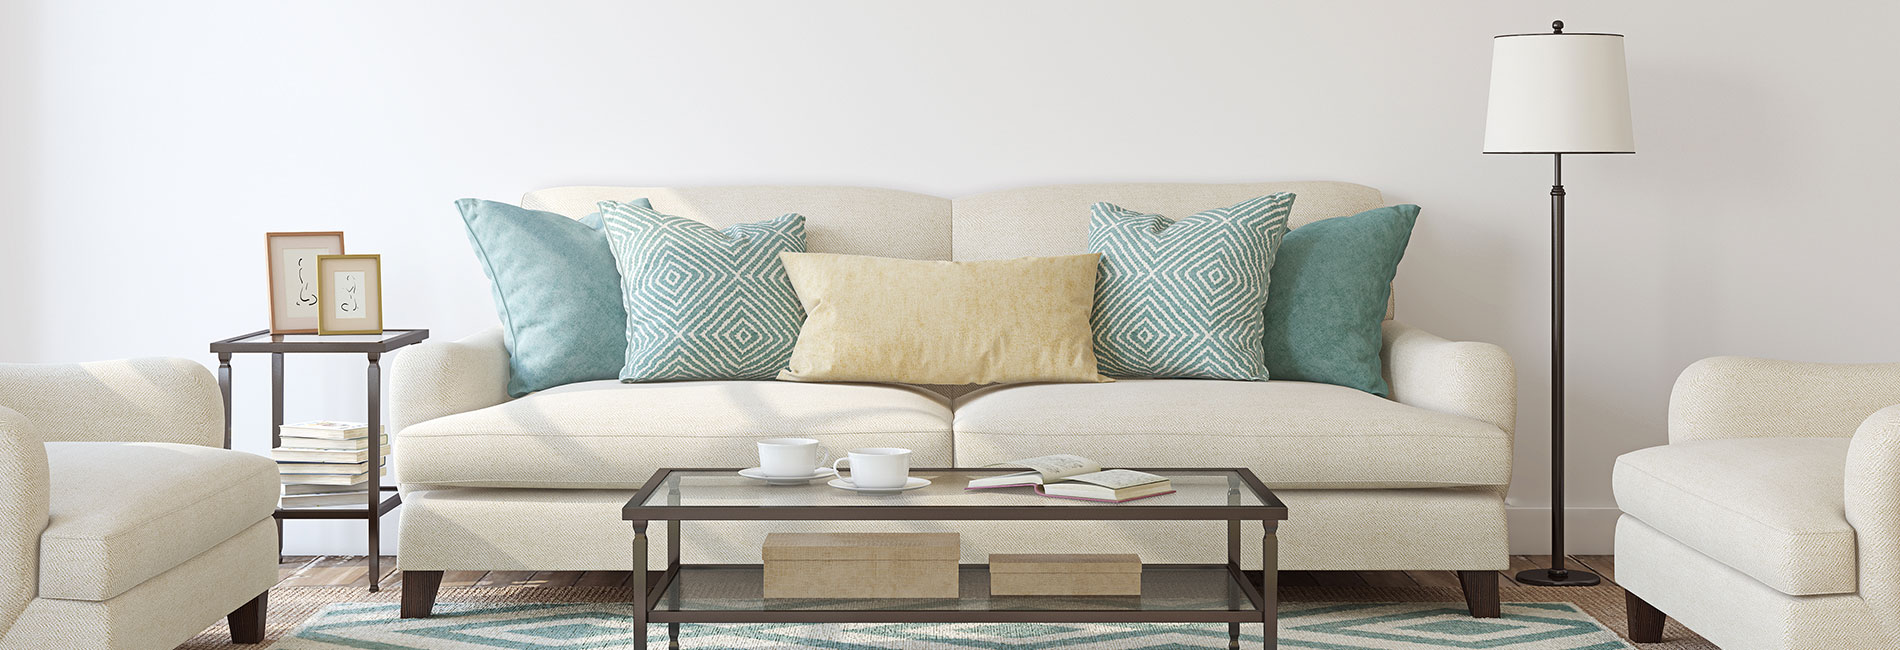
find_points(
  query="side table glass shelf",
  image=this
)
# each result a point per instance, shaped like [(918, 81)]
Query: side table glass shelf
[(372, 346)]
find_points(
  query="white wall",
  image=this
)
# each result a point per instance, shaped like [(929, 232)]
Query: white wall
[(149, 145)]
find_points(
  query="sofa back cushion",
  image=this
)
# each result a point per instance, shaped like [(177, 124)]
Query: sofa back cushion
[(1054, 219), (847, 220)]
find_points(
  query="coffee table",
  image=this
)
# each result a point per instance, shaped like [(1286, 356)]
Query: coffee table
[(1171, 593)]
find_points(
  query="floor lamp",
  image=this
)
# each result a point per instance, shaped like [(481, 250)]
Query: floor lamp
[(1558, 94)]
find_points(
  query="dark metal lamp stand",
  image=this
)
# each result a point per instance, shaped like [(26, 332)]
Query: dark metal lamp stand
[(1557, 575)]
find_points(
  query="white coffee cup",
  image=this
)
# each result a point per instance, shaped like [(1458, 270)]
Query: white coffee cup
[(877, 467), (791, 456)]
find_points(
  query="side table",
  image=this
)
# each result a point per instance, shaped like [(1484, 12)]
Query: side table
[(373, 346)]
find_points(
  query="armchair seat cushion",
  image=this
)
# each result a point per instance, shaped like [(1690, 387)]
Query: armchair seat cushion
[(610, 435), (124, 512), (1772, 508), (1292, 434)]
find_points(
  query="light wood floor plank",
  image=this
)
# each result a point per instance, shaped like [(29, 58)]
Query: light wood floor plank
[(1603, 565), (462, 578), (604, 579), (326, 571), (554, 579), (504, 578)]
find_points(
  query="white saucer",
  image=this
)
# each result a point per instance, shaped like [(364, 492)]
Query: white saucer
[(759, 473), (911, 483)]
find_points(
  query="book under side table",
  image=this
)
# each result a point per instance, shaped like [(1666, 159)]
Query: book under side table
[(1171, 593), (373, 347)]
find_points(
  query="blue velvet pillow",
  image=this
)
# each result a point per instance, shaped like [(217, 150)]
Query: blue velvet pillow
[(556, 290), (1326, 304)]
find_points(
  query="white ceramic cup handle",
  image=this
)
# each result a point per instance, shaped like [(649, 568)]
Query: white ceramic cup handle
[(834, 467), (824, 454)]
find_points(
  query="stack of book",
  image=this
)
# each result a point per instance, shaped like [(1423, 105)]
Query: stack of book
[(326, 463)]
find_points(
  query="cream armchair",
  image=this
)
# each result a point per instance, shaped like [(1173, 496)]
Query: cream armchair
[(1772, 517), (123, 523)]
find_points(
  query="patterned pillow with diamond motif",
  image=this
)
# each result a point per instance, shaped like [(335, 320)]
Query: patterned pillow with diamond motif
[(1185, 299), (704, 303)]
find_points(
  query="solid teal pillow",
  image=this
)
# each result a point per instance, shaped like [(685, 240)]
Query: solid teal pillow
[(1331, 281), (556, 291), (1183, 299), (704, 303)]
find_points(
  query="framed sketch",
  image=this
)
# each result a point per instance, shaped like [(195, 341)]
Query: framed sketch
[(293, 277), (349, 294)]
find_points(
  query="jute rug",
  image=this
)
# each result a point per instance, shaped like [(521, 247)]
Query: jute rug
[(1568, 616)]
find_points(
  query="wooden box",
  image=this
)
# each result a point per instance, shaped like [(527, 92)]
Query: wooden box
[(861, 565), (1065, 574)]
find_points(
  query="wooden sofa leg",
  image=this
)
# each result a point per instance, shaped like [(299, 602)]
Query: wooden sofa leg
[(247, 622), (418, 592), (1646, 622), (1481, 593)]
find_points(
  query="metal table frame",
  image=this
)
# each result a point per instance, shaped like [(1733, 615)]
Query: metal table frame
[(1263, 595), (376, 505)]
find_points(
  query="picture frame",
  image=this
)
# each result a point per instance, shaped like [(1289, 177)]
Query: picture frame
[(290, 261), (349, 294)]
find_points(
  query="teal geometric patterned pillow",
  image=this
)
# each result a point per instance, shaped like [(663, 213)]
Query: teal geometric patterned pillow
[(1185, 299), (704, 303)]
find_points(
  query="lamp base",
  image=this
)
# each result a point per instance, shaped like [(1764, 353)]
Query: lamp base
[(1557, 578)]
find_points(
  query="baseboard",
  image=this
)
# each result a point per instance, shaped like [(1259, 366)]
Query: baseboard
[(1587, 531)]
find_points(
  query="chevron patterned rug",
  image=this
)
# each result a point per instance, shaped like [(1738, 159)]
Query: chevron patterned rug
[(1317, 626)]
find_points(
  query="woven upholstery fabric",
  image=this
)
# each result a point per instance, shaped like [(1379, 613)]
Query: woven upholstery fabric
[(1464, 378), (23, 512), (145, 400), (1053, 219), (556, 290), (435, 378), (163, 611), (1768, 507), (1873, 508), (1185, 298), (495, 529), (934, 322), (605, 434), (704, 303), (1292, 434), (1741, 397), (123, 512), (1732, 609), (847, 220)]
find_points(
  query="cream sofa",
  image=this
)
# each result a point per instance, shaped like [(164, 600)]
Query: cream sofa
[(123, 524), (1771, 520), (1412, 482)]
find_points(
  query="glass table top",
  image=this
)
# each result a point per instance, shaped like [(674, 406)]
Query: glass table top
[(724, 488)]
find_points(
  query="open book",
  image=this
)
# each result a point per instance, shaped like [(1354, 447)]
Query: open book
[(1073, 477)]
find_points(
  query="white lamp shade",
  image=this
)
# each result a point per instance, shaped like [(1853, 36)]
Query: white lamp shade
[(1558, 93)]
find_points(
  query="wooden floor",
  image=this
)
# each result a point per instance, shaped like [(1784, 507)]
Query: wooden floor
[(341, 570)]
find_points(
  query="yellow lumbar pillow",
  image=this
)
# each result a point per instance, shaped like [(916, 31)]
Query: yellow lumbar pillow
[(921, 322)]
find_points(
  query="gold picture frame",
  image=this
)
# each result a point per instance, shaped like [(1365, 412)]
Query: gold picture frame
[(290, 262), (349, 294)]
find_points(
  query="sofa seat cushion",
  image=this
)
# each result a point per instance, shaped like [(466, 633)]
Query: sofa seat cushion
[(124, 512), (1772, 508), (1292, 434), (607, 435)]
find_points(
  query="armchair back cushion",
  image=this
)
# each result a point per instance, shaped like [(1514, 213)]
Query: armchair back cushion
[(1741, 397), (127, 400)]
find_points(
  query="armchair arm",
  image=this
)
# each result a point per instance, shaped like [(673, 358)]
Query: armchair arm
[(128, 400), (1873, 509), (1474, 380), (23, 514), (1741, 397), (433, 379)]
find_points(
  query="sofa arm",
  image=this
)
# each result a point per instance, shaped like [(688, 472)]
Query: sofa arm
[(1741, 397), (128, 400), (434, 379), (23, 513), (1873, 509), (1474, 380)]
